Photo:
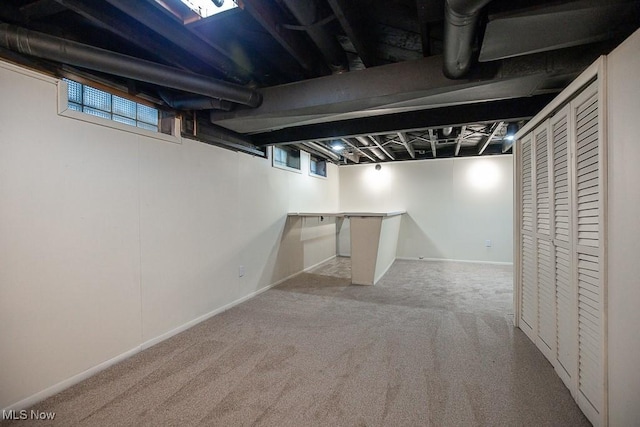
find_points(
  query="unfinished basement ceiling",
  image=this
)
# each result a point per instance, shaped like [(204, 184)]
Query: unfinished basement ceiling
[(384, 80)]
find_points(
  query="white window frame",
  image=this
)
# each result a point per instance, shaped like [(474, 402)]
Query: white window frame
[(283, 167), (315, 175), (65, 111)]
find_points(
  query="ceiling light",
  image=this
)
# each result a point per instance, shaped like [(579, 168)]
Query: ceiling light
[(206, 8), (512, 129), (337, 146)]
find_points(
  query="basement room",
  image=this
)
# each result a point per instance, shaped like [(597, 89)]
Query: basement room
[(319, 213)]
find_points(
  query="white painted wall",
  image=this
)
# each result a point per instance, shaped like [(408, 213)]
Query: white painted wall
[(388, 245), (623, 86), (453, 205), (69, 241), (111, 241)]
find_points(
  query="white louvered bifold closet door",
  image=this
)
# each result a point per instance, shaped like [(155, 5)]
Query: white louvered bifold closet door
[(565, 294), (588, 168), (546, 333), (561, 266), (529, 292)]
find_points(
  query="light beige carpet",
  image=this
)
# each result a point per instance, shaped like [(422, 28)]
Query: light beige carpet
[(431, 345)]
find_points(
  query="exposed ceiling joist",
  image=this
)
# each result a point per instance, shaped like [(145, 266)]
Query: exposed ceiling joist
[(154, 19), (429, 12), (349, 14), (100, 17), (307, 13), (376, 140), (351, 157), (407, 144), (41, 9), (432, 141), (460, 139), (487, 139), (271, 18), (323, 152), (364, 140), (358, 149)]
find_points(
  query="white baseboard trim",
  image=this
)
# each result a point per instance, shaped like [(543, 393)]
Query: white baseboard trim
[(316, 265), (63, 385), (150, 343), (454, 260)]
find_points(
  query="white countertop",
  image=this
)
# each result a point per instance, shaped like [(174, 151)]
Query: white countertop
[(348, 214)]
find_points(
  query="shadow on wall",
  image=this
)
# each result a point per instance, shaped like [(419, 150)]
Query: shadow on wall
[(290, 258), (270, 268), (414, 240), (304, 242), (284, 233), (343, 243)]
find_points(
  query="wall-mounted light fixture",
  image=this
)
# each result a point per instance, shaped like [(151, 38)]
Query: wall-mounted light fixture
[(376, 178)]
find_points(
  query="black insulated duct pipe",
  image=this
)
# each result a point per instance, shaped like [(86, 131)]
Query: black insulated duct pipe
[(194, 102), (56, 49), (460, 21), (213, 134)]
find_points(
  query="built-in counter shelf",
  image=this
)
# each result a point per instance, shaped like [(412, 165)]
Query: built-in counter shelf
[(347, 214), (374, 240)]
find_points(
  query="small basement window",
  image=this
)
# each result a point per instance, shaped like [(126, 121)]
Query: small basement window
[(190, 11), (206, 8), (317, 166), (286, 157), (99, 103)]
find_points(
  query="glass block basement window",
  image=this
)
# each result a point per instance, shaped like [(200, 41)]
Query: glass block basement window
[(99, 103)]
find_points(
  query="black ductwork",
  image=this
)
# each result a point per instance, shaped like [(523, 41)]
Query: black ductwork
[(53, 48), (460, 21), (306, 12), (213, 134), (194, 102)]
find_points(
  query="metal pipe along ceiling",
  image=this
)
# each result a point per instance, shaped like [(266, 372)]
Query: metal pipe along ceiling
[(195, 102), (375, 150), (49, 47), (460, 21), (321, 150)]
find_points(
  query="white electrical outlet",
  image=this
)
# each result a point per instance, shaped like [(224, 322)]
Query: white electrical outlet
[(241, 271), (487, 243)]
